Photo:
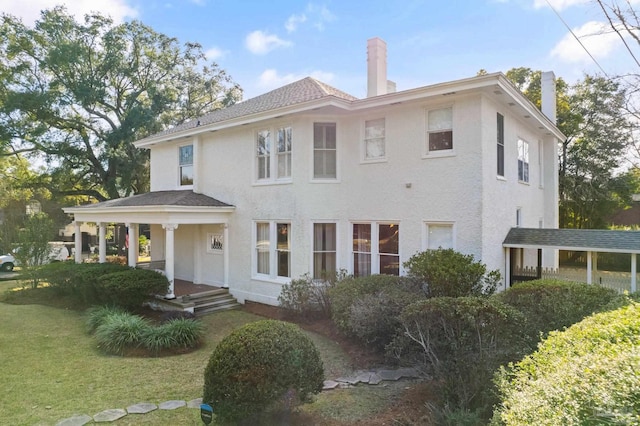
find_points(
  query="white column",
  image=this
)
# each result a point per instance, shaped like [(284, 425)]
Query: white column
[(225, 254), (507, 268), (102, 242), (78, 242), (634, 272), (589, 268), (132, 230), (169, 256)]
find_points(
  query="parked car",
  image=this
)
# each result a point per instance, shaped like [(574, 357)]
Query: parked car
[(7, 262)]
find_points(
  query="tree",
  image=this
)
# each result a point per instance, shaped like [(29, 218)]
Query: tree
[(77, 94), (32, 249)]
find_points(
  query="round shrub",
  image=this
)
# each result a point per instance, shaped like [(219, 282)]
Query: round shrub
[(132, 287), (120, 332), (260, 366), (587, 374), (550, 304), (448, 273)]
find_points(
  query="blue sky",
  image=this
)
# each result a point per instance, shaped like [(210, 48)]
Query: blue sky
[(266, 44)]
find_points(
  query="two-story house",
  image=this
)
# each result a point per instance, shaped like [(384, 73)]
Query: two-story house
[(309, 179)]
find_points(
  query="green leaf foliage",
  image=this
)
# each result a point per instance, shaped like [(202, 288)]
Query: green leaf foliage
[(585, 375), (131, 288), (262, 366)]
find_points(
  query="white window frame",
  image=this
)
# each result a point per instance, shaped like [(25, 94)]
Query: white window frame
[(192, 165), (368, 138), (425, 233), (540, 164), (273, 250), (524, 157), (322, 179), (273, 157), (215, 242), (500, 148), (312, 244), (375, 245), (428, 153)]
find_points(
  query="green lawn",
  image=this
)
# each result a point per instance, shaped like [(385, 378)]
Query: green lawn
[(52, 370)]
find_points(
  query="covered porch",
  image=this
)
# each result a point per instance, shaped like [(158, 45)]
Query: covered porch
[(166, 212), (589, 241)]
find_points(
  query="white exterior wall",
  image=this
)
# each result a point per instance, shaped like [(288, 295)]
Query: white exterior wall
[(461, 188)]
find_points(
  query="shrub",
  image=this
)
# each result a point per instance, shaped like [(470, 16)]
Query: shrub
[(461, 342), (186, 333), (131, 288), (448, 273), (59, 275), (553, 304), (121, 331), (98, 314), (307, 297), (173, 315), (587, 374), (256, 366)]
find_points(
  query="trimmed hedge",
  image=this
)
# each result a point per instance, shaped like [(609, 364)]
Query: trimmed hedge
[(259, 367), (131, 288), (587, 374)]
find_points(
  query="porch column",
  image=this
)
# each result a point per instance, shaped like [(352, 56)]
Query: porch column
[(169, 260), (507, 268), (102, 242), (634, 272), (589, 268), (132, 233), (225, 254), (78, 242)]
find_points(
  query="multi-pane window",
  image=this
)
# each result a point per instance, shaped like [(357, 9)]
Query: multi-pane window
[(284, 152), (185, 154), (500, 143), (440, 129), (324, 151), (439, 235), (374, 139), (263, 154), (273, 249), (375, 249), (523, 161), (324, 250)]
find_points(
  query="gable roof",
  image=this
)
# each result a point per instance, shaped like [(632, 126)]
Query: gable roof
[(158, 198), (305, 90), (603, 240)]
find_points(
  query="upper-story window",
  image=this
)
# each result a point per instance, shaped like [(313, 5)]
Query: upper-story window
[(324, 151), (185, 154), (523, 161), (374, 139), (268, 159), (440, 129), (500, 144)]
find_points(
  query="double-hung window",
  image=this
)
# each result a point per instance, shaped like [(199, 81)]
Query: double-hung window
[(500, 144), (374, 139), (440, 129), (523, 161), (273, 249), (376, 249), (269, 158), (185, 155), (324, 250), (324, 151)]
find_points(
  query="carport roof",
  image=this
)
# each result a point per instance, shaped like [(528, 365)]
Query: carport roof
[(600, 240)]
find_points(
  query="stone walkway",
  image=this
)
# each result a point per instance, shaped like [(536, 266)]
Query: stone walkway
[(368, 377)]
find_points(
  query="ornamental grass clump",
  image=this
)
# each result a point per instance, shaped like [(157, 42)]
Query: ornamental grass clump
[(120, 332)]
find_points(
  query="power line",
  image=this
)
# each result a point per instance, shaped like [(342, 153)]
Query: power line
[(577, 39)]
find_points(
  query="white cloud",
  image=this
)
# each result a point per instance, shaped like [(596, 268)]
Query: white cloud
[(215, 53), (321, 14), (558, 4), (270, 79), (294, 20), (261, 43), (29, 10), (597, 37)]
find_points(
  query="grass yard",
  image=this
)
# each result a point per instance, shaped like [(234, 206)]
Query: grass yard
[(52, 370)]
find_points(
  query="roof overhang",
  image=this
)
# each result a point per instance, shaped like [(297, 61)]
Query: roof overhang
[(153, 214), (596, 240)]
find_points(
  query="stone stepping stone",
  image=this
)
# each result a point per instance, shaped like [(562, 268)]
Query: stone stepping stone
[(141, 408), (171, 405), (110, 415), (390, 375), (77, 420), (411, 373), (375, 379), (194, 403), (329, 385)]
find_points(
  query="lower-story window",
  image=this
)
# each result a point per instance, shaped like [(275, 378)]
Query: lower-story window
[(324, 250), (439, 235), (376, 249), (273, 249)]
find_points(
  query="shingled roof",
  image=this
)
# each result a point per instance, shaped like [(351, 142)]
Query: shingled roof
[(602, 240), (305, 90), (160, 198)]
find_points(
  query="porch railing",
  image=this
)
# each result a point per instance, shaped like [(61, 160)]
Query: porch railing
[(620, 281)]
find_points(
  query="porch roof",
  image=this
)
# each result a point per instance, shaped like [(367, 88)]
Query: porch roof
[(180, 206), (600, 240)]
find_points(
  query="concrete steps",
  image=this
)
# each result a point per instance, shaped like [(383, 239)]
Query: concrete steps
[(213, 301)]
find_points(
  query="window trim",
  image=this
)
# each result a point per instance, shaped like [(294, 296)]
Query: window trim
[(192, 165), (500, 145), (364, 140), (375, 248), (526, 144), (425, 232), (314, 179), (427, 153), (272, 276), (312, 243), (273, 158)]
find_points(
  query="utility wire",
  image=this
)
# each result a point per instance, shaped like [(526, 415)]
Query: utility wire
[(577, 38)]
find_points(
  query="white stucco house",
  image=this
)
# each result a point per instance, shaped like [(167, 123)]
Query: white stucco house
[(309, 179)]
